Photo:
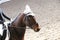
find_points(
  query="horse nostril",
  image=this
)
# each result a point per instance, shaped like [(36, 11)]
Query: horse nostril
[(38, 29)]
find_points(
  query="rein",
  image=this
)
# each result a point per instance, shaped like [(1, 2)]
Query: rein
[(21, 27)]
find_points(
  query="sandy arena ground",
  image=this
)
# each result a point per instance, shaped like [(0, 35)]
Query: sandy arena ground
[(47, 15)]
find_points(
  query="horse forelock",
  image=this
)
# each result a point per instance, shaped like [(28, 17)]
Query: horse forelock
[(28, 11), (30, 14)]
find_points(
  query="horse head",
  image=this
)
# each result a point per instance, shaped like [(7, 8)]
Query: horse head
[(30, 20)]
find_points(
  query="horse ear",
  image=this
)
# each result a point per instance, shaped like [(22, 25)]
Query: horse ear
[(28, 10)]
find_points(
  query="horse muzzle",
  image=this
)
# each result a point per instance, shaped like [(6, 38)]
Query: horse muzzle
[(37, 29)]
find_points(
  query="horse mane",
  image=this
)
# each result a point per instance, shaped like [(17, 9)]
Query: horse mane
[(16, 19)]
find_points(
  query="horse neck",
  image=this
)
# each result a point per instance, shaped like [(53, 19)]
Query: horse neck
[(17, 32), (19, 20)]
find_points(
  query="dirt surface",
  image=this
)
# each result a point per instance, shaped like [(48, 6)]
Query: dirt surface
[(47, 15)]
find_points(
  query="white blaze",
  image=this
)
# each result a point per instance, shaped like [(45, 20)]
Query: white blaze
[(28, 10)]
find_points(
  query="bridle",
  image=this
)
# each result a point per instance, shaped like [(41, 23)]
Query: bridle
[(30, 23)]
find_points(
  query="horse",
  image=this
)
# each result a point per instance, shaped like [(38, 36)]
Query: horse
[(18, 26)]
